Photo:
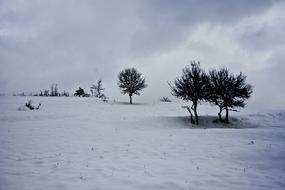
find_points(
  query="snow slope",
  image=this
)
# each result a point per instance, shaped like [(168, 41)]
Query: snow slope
[(81, 143)]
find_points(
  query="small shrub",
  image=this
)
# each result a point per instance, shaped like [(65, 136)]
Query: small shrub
[(80, 92), (30, 106), (165, 99)]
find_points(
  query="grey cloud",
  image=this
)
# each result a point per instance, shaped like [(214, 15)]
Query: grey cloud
[(264, 33), (165, 23), (269, 83), (185, 11), (63, 38), (74, 43), (264, 38)]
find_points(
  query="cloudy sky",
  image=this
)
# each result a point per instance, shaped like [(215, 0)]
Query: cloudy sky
[(75, 42)]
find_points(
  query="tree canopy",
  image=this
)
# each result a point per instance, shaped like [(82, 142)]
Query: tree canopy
[(228, 91), (191, 86), (131, 82)]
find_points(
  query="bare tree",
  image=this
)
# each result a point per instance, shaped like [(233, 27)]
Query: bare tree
[(65, 93), (96, 90), (130, 81), (227, 91), (191, 86), (54, 90)]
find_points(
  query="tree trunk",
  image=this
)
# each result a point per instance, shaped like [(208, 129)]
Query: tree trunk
[(195, 113), (191, 115), (192, 120), (131, 100), (220, 114), (227, 115)]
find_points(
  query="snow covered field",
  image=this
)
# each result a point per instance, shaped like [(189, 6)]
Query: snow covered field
[(82, 143)]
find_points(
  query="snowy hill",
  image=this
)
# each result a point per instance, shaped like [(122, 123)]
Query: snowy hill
[(82, 143)]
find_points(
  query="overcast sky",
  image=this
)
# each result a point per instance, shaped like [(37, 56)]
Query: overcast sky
[(75, 42)]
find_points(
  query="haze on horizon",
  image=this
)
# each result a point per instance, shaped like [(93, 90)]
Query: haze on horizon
[(74, 43)]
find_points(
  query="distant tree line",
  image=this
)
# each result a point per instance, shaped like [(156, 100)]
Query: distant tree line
[(54, 91)]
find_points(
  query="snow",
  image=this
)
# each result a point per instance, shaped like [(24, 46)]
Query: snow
[(82, 143)]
